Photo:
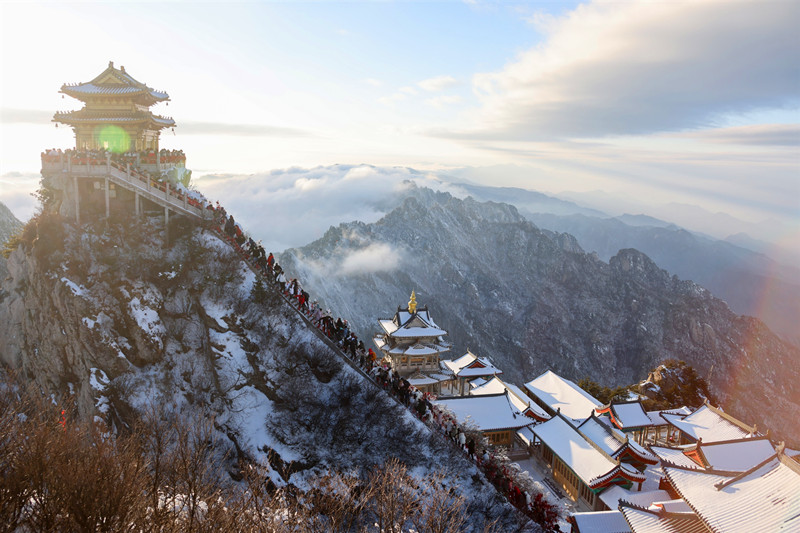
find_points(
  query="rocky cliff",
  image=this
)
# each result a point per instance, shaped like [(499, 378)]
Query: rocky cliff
[(533, 301), (107, 315), (9, 225)]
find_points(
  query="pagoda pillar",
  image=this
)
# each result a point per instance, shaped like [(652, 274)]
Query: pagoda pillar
[(107, 200)]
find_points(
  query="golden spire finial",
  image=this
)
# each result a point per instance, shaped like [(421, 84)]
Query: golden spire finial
[(412, 303)]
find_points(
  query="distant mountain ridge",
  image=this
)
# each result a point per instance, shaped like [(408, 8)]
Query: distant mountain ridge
[(751, 283), (534, 300)]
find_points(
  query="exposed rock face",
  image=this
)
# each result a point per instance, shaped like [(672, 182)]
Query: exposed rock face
[(9, 225), (533, 301), (105, 314)]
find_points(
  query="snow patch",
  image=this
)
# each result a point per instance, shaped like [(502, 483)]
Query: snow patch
[(98, 379), (77, 290)]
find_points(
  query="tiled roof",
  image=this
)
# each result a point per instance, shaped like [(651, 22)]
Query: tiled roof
[(85, 116), (627, 415), (559, 393), (601, 522), (657, 420), (710, 424), (470, 365), (647, 521), (589, 463), (612, 496), (766, 498), (674, 456), (116, 82), (518, 399), (488, 412)]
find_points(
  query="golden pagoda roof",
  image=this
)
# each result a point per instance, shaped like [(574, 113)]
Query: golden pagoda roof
[(115, 82)]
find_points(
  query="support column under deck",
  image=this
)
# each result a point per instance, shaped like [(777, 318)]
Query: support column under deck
[(77, 200), (136, 201), (107, 201)]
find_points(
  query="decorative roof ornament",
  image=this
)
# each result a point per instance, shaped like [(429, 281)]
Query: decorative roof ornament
[(412, 303)]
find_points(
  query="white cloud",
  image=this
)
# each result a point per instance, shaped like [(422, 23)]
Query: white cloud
[(443, 100), (438, 83), (16, 192), (377, 257), (755, 135), (373, 81), (295, 206), (611, 68)]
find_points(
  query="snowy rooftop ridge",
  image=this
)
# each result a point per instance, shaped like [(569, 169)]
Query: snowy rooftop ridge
[(764, 498), (612, 442), (725, 456), (642, 520), (563, 395), (488, 412), (710, 424), (470, 365), (589, 462), (517, 398), (626, 415)]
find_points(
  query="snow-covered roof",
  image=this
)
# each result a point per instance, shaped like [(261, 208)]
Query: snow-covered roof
[(601, 522), (649, 521), (518, 398), (612, 441), (470, 365), (710, 424), (590, 464), (627, 415), (560, 393), (765, 498), (417, 348), (114, 82), (657, 420), (421, 380), (727, 456), (487, 412), (674, 456), (91, 116), (612, 496)]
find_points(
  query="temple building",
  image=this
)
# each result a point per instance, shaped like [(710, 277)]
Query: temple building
[(465, 370), (411, 344), (116, 115), (582, 467), (116, 166)]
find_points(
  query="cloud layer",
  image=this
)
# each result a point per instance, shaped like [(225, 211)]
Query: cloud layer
[(611, 68), (292, 207)]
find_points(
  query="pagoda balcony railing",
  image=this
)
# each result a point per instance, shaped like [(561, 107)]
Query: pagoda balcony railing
[(125, 175)]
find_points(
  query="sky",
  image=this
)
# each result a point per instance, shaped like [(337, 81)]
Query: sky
[(694, 102)]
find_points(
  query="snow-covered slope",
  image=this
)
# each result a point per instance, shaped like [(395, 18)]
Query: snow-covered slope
[(108, 316)]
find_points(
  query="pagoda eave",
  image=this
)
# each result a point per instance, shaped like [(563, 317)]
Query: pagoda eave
[(90, 93)]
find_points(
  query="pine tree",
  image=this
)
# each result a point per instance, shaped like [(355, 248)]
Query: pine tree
[(258, 293)]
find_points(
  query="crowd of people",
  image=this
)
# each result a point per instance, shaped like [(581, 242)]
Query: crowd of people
[(97, 157), (421, 404)]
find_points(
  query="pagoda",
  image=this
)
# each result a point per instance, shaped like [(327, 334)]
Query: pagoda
[(116, 115), (411, 343)]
